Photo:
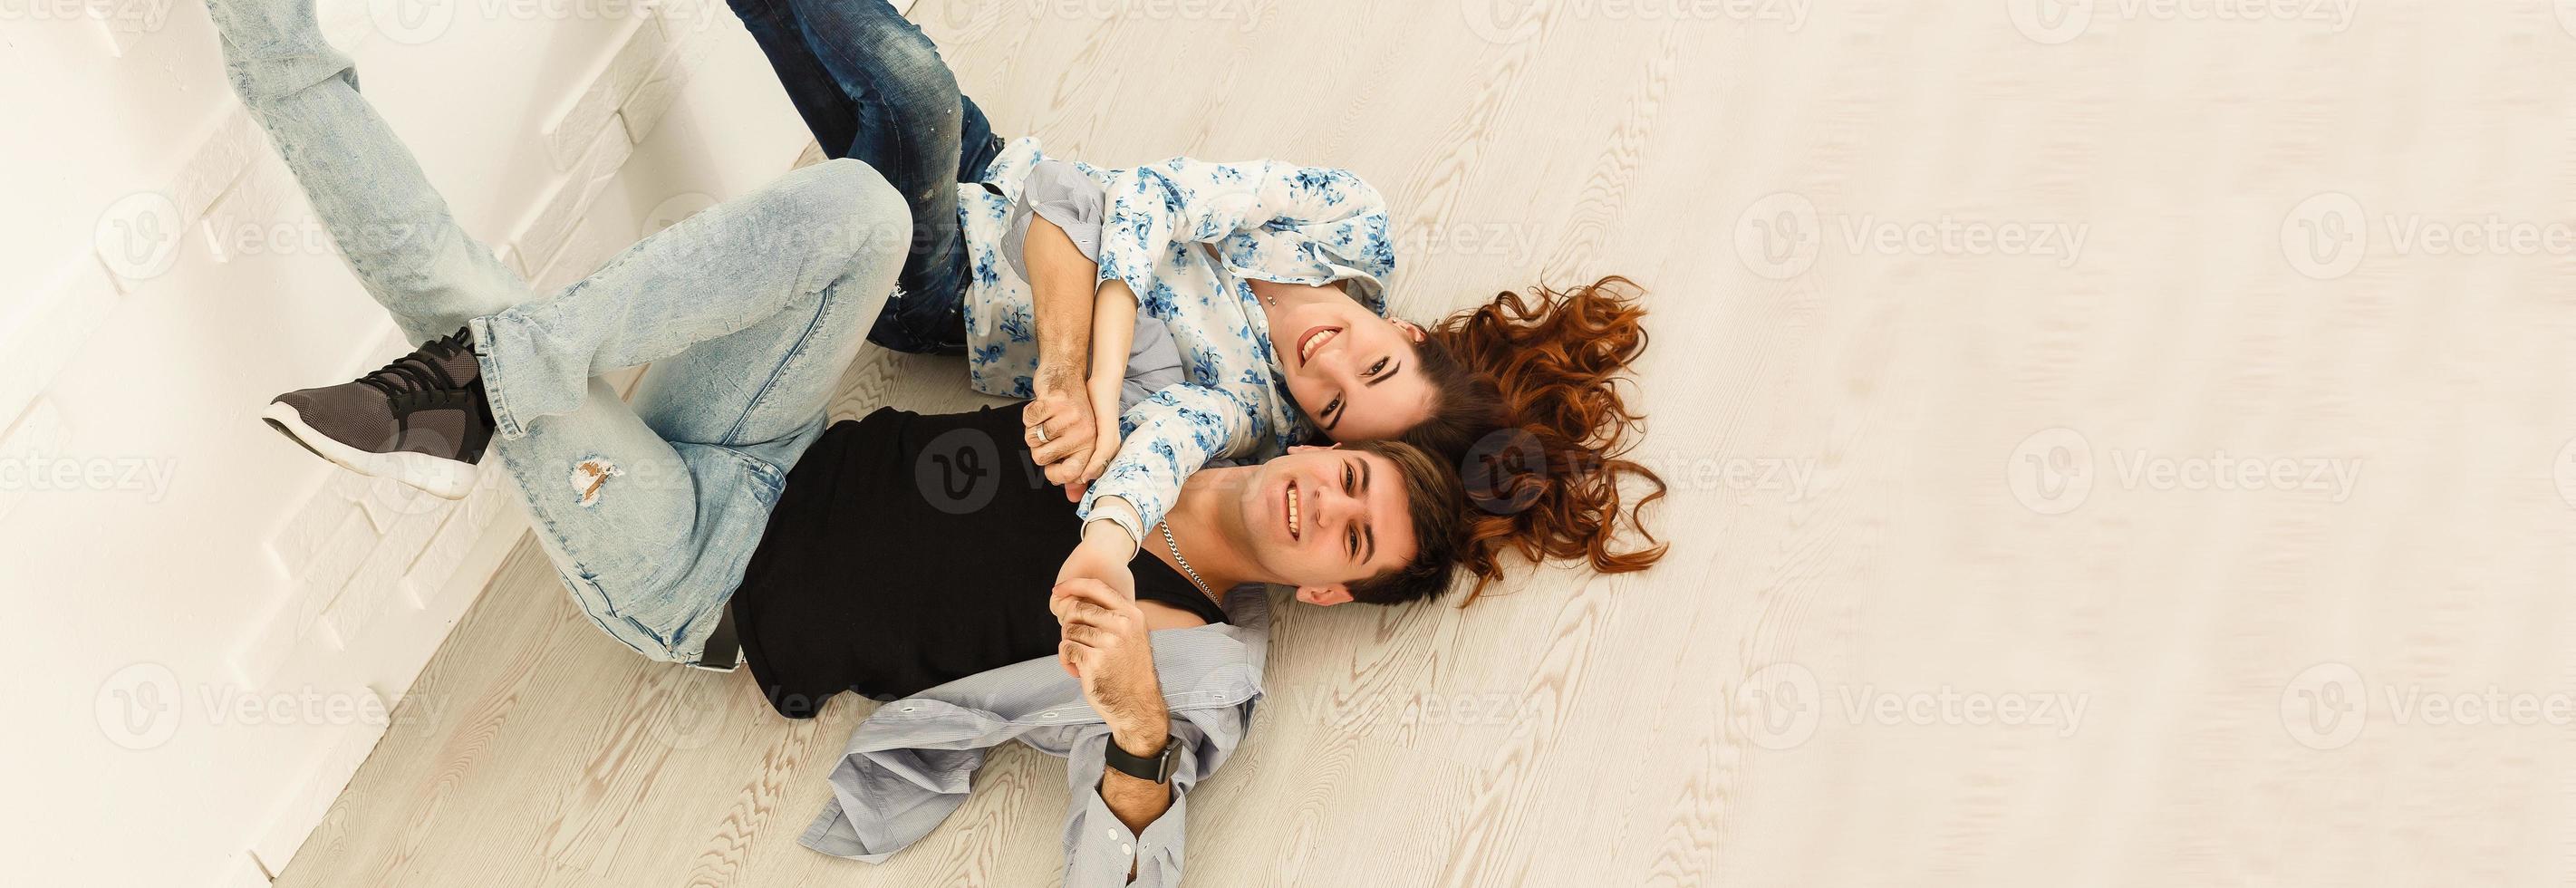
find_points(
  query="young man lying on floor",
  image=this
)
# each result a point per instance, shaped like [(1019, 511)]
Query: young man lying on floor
[(894, 555), (907, 551)]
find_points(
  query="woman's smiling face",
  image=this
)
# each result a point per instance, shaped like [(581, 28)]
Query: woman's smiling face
[(1351, 371)]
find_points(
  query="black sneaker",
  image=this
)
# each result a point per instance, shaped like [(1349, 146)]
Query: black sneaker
[(422, 420)]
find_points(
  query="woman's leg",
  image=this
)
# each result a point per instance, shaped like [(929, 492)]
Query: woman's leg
[(829, 113), (873, 88), (648, 529)]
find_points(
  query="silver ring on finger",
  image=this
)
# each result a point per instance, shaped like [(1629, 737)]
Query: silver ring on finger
[(1039, 432)]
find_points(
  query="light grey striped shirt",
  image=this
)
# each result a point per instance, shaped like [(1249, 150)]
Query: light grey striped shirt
[(910, 764)]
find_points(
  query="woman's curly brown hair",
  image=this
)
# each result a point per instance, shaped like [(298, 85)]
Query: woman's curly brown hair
[(1531, 413)]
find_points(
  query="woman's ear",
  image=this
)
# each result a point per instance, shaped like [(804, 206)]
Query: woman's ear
[(1324, 595), (1410, 331)]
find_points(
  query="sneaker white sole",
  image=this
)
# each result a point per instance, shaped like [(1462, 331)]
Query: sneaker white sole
[(438, 476)]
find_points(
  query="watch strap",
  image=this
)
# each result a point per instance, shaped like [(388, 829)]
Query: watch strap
[(1156, 768)]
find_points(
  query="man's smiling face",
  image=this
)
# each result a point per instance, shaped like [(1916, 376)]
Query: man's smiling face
[(1323, 518)]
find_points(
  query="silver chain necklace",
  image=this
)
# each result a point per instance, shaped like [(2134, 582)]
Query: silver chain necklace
[(1185, 563)]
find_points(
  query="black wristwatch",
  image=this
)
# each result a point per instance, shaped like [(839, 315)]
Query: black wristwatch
[(1156, 768)]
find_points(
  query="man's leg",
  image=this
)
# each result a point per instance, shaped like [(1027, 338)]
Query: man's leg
[(743, 290), (648, 533), (395, 233), (713, 275), (749, 312), (391, 225)]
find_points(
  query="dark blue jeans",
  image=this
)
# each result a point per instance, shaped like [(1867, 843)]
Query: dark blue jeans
[(871, 86)]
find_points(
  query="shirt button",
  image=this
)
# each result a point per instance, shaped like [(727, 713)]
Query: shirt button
[(1046, 715), (1127, 849), (1111, 832)]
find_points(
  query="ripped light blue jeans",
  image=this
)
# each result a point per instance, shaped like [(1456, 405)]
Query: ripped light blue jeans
[(748, 312)]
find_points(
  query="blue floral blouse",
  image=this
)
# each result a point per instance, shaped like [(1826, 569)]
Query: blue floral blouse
[(1185, 235)]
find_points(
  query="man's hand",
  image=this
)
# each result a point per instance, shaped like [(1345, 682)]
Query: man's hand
[(1105, 645), (1100, 561), (1063, 409)]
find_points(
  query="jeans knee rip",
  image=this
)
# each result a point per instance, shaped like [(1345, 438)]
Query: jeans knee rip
[(590, 475)]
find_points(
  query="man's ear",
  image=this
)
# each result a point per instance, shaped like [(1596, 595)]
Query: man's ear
[(1324, 595), (1408, 328)]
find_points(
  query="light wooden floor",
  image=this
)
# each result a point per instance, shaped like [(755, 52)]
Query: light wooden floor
[(1719, 719)]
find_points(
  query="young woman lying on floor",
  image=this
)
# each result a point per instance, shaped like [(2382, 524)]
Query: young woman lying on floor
[(1270, 277)]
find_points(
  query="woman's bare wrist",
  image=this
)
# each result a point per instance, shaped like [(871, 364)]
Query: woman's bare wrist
[(1110, 536)]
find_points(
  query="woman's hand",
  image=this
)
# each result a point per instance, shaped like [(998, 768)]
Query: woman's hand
[(1104, 434), (1113, 332)]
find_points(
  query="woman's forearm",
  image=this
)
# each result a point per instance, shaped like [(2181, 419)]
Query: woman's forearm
[(1113, 333)]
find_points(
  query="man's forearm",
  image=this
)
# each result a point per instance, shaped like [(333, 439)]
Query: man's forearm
[(1063, 284), (1137, 802)]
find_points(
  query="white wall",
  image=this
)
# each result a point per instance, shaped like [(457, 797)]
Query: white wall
[(211, 622)]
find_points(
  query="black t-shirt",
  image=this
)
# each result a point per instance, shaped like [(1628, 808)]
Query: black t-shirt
[(908, 551)]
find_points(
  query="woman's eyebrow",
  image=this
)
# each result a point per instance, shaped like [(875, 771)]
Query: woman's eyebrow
[(1382, 377)]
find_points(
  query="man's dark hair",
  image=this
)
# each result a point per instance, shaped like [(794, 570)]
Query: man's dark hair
[(1436, 499)]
